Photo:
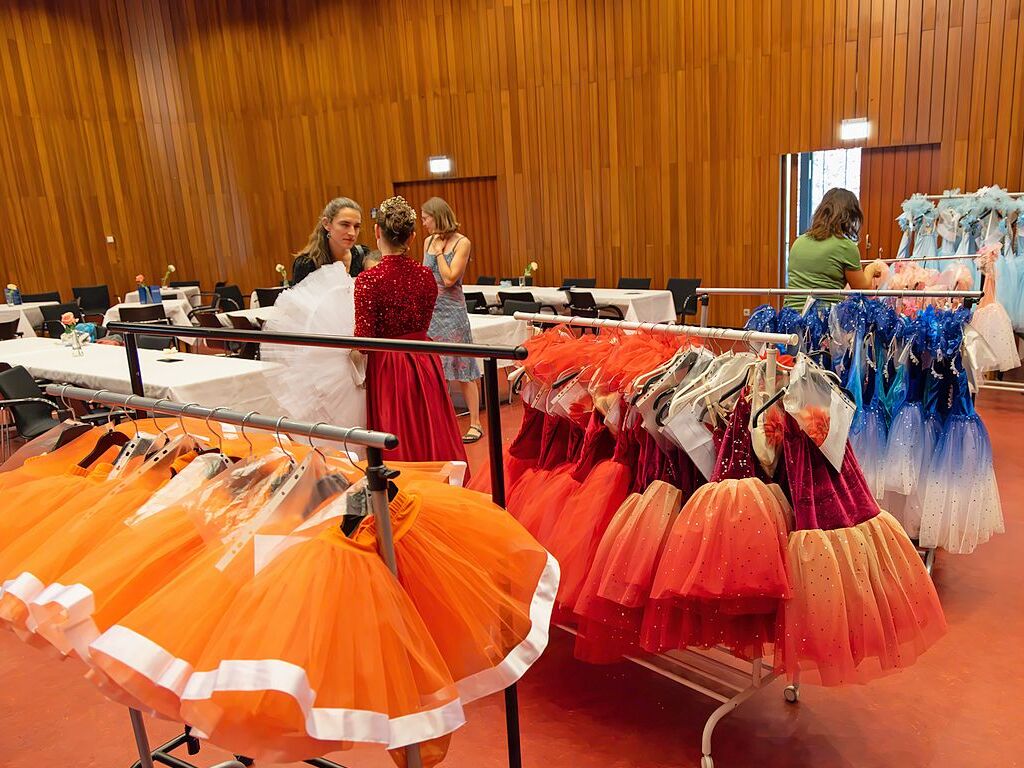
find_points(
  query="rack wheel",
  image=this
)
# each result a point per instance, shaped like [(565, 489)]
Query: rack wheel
[(791, 693), (706, 762)]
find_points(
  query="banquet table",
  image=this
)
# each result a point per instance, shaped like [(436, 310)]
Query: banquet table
[(29, 313), (188, 293), (499, 330), (256, 314), (637, 306), (208, 380), (176, 310)]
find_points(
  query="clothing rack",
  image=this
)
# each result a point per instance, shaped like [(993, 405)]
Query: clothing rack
[(726, 334), (376, 477), (704, 294), (715, 673), (490, 355)]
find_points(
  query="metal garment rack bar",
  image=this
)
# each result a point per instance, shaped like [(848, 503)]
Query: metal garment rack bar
[(727, 334), (917, 258), (713, 673), (490, 356), (704, 294), (377, 478)]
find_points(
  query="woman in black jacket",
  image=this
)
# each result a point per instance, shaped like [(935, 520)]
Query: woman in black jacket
[(333, 239)]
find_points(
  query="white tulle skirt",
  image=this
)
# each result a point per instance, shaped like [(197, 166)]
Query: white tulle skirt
[(1000, 352), (870, 445), (961, 506), (316, 383), (911, 443)]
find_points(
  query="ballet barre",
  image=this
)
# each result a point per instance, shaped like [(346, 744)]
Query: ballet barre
[(377, 475), (704, 294), (704, 332)]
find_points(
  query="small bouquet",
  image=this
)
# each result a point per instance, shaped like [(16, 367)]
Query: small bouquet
[(283, 273), (70, 336), (529, 269), (167, 275), (11, 294)]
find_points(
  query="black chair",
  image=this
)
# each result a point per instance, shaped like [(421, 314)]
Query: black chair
[(512, 306), (230, 296), (267, 296), (249, 350), (147, 313), (486, 280), (30, 419), (9, 329), (579, 282), (684, 295), (207, 318), (30, 298), (476, 303), (184, 284), (634, 283), (51, 317), (515, 280), (93, 299), (582, 304)]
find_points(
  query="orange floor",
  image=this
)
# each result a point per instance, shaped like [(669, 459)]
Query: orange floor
[(961, 705)]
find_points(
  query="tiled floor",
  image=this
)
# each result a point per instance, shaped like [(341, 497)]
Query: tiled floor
[(961, 705)]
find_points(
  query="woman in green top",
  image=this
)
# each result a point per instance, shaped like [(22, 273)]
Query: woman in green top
[(826, 255)]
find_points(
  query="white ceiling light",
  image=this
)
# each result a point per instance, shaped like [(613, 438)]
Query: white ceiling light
[(854, 129), (439, 165)]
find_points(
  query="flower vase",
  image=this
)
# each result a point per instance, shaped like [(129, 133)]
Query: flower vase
[(522, 282), (71, 338)]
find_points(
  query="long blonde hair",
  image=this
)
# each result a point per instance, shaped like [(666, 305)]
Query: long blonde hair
[(317, 249)]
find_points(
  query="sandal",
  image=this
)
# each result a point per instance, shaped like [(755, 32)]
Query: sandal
[(473, 434)]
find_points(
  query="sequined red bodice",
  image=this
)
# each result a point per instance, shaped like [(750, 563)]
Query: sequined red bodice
[(395, 299)]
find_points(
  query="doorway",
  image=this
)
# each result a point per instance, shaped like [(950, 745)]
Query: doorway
[(475, 202)]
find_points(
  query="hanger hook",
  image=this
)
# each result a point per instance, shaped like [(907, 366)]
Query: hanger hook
[(181, 418), (220, 433), (155, 406), (277, 435), (244, 435), (316, 448)]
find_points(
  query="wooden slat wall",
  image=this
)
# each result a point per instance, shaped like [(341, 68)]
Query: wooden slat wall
[(625, 138), (475, 202), (888, 176)]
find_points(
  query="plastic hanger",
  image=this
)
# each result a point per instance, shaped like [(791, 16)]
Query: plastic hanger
[(110, 439)]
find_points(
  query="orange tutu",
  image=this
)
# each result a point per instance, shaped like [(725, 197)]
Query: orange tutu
[(152, 546), (322, 648), (611, 606), (483, 586), (729, 541), (863, 604)]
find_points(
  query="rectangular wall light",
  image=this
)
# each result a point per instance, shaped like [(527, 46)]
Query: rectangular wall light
[(854, 129), (439, 165)]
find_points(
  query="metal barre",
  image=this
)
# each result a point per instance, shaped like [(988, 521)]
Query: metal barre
[(354, 435), (321, 340), (729, 334)]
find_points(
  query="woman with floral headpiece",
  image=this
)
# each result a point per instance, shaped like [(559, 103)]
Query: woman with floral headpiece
[(406, 393)]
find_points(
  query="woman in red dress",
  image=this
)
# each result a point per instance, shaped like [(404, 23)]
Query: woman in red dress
[(406, 392)]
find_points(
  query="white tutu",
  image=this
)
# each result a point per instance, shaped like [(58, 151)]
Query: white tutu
[(869, 445), (317, 383), (1000, 352), (908, 454), (961, 506)]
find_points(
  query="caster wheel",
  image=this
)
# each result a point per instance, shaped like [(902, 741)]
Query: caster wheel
[(791, 694), (706, 762)]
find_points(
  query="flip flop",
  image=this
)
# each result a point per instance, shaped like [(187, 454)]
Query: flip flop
[(473, 434)]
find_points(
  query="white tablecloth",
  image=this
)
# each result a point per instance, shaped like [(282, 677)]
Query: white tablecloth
[(176, 310), (637, 306), (189, 293), (499, 331), (205, 379), (31, 315)]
